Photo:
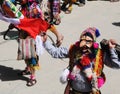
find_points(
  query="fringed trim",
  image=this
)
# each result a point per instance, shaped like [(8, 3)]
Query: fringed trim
[(98, 66)]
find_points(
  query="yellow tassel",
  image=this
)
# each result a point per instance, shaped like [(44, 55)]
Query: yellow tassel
[(36, 67)]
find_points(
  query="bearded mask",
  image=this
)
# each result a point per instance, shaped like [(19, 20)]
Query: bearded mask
[(88, 40)]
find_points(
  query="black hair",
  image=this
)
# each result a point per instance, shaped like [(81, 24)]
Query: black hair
[(88, 34)]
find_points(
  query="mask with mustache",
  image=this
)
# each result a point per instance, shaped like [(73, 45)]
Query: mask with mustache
[(85, 49)]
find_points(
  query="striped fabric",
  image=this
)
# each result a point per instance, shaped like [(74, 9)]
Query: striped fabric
[(26, 49)]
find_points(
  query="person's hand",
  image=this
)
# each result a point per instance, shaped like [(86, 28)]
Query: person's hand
[(59, 40), (112, 43), (43, 36)]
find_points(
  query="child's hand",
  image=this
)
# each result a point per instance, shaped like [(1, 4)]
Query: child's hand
[(59, 40), (43, 37)]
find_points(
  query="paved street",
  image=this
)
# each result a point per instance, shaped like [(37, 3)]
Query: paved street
[(103, 15)]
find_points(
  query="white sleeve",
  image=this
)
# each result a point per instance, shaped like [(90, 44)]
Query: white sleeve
[(14, 21), (56, 52)]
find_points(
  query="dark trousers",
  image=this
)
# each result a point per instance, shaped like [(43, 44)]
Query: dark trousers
[(77, 92)]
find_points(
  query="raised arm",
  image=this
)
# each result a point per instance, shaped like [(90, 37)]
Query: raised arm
[(111, 59)]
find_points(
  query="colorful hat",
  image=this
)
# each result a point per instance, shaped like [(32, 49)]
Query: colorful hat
[(93, 31)]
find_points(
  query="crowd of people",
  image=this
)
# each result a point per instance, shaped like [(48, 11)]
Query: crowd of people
[(84, 73)]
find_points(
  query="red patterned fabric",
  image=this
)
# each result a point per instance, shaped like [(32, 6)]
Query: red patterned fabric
[(33, 26)]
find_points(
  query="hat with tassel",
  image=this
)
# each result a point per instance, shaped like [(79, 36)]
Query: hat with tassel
[(93, 31)]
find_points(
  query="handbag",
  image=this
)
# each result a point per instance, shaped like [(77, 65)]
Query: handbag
[(26, 49)]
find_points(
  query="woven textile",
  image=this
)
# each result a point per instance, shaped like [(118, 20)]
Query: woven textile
[(26, 49)]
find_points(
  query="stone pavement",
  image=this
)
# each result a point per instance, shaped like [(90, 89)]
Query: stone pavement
[(101, 14)]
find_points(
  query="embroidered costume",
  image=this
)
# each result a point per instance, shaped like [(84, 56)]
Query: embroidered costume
[(31, 24), (85, 72)]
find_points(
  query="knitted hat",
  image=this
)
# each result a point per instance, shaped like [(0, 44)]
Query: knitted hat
[(93, 31)]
